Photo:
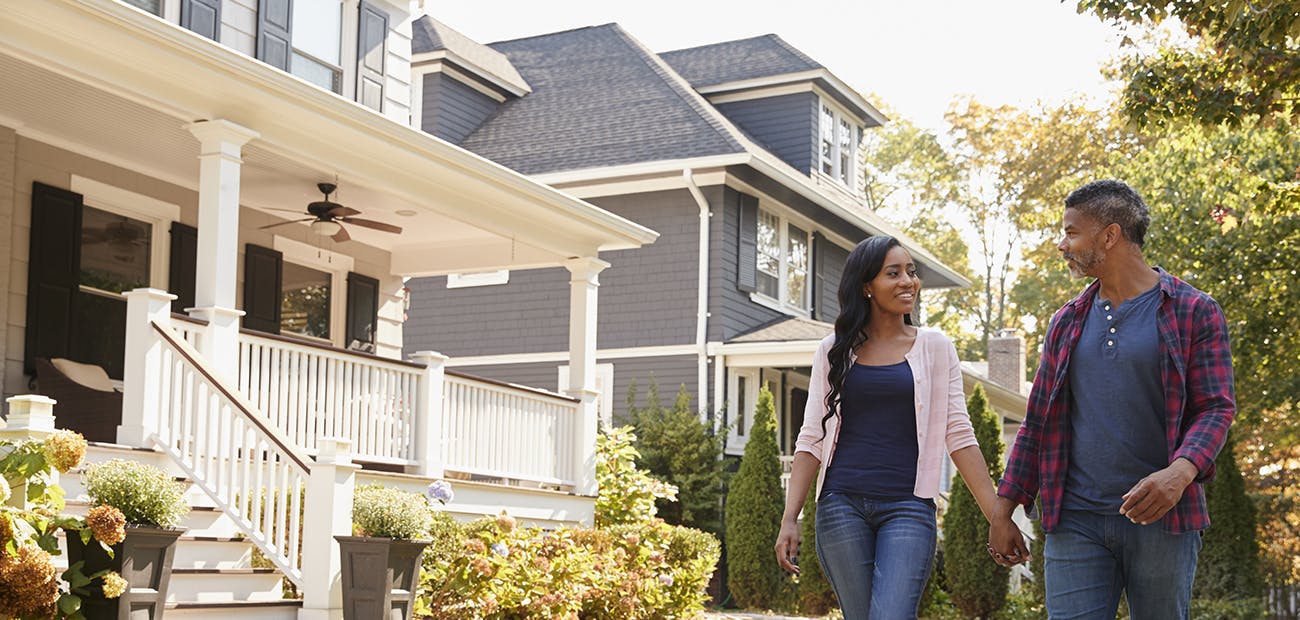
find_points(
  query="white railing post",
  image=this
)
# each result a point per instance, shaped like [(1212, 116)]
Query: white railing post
[(583, 283), (143, 372), (327, 513), (428, 418), (31, 418)]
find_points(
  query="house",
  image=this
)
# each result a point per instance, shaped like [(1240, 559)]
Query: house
[(742, 154), (212, 206)]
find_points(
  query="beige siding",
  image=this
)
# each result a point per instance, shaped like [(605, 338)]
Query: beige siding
[(8, 161), (239, 25), (397, 92)]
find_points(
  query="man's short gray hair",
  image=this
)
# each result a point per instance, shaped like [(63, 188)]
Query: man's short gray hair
[(1111, 201)]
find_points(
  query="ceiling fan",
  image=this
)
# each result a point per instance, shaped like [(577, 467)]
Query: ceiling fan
[(327, 217)]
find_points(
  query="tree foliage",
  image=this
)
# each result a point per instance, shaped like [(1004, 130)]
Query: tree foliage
[(816, 597), (753, 518), (679, 446), (976, 584), (1243, 60), (1229, 560)]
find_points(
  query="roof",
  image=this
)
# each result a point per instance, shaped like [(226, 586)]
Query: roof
[(734, 61), (786, 329), (431, 35), (600, 98)]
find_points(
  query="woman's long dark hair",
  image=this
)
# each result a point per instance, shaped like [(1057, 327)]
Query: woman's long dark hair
[(863, 265)]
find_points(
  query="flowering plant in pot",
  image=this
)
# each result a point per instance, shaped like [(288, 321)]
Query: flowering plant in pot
[(381, 562), (136, 509)]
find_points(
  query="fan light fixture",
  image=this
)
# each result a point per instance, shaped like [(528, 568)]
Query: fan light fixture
[(325, 228)]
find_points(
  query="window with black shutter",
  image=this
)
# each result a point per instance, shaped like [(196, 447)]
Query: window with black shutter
[(263, 273), (747, 250), (184, 265), (53, 272)]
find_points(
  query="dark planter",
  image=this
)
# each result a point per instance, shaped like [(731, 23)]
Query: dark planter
[(379, 576), (144, 559)]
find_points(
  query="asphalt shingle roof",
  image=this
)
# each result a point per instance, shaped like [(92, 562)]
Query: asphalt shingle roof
[(431, 35), (599, 99), (786, 330), (744, 59)]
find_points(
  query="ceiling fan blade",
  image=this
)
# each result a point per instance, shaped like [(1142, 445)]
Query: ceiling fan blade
[(342, 235), (372, 224), (293, 211), (285, 223), (342, 211)]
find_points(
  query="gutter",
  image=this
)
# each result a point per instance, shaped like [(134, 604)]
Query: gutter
[(702, 293)]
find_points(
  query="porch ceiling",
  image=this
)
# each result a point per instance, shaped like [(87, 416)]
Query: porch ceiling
[(104, 80)]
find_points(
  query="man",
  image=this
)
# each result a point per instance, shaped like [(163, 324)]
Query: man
[(1131, 403)]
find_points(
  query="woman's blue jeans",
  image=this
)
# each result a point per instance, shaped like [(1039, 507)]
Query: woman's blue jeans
[(876, 553), (1090, 558)]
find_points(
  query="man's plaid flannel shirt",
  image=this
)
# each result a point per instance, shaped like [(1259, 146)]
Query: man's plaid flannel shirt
[(1196, 366)]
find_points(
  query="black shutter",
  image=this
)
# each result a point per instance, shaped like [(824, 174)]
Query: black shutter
[(363, 310), (828, 265), (184, 266), (371, 51), (747, 251), (263, 273), (202, 16), (274, 27), (53, 272)]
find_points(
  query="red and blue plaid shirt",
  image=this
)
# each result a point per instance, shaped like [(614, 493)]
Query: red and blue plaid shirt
[(1196, 370)]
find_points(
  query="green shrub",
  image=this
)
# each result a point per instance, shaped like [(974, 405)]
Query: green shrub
[(753, 518), (145, 494), (1236, 608), (977, 585), (1036, 549), (627, 494), (934, 599), (816, 597), (679, 446), (1229, 565), (386, 512)]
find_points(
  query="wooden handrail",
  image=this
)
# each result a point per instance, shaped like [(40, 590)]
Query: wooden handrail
[(514, 386), (239, 403), (332, 349)]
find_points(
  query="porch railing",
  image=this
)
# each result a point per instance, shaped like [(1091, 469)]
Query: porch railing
[(311, 392), (503, 430), (250, 471)]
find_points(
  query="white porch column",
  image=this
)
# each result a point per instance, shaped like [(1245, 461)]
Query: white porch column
[(583, 282), (220, 142), (31, 418), (428, 414), (142, 374), (327, 513)]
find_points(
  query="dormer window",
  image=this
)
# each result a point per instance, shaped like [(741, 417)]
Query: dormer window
[(317, 25), (839, 145)]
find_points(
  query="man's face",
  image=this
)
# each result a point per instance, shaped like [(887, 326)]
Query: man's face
[(1081, 245)]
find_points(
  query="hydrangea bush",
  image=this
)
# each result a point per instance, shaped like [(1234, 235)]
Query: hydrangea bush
[(145, 494), (29, 585)]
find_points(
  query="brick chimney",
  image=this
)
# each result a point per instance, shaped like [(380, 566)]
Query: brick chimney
[(1007, 359)]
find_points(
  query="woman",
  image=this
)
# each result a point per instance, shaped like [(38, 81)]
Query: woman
[(884, 400)]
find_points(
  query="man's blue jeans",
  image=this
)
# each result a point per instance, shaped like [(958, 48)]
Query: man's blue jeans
[(1090, 558), (876, 553)]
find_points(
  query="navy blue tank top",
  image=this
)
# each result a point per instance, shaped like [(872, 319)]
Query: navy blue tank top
[(877, 451)]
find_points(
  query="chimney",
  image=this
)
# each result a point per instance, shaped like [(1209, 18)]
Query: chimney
[(1007, 359)]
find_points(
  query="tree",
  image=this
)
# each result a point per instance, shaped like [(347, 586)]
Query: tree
[(1243, 60), (976, 584), (816, 597), (1228, 568), (678, 446), (753, 518)]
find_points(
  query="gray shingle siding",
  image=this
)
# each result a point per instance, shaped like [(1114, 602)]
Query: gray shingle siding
[(647, 296), (452, 109), (785, 125)]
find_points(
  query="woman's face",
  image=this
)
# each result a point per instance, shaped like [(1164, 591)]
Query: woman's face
[(895, 288)]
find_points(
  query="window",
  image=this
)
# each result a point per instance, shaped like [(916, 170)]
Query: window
[(839, 145), (115, 251), (741, 406), (317, 25), (784, 258), (151, 6), (305, 301)]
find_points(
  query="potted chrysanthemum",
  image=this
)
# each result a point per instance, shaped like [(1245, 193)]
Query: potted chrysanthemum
[(132, 534), (381, 562)]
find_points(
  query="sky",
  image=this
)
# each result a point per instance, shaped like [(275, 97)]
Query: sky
[(913, 56)]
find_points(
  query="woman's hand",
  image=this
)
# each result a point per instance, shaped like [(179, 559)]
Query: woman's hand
[(1006, 543), (787, 546)]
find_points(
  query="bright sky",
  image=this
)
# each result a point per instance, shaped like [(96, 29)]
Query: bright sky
[(914, 55)]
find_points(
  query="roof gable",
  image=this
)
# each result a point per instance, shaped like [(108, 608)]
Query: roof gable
[(429, 35), (734, 61)]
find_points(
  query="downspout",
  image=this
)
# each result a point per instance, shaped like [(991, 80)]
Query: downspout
[(702, 295)]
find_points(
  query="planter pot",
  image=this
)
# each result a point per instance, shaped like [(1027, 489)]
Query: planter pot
[(144, 559), (379, 576)]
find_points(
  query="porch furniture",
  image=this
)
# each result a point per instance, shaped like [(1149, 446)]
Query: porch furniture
[(86, 399)]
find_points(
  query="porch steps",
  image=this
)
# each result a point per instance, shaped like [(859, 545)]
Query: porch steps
[(212, 568)]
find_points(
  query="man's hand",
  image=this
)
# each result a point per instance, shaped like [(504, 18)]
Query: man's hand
[(1006, 543), (787, 546), (1155, 494)]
